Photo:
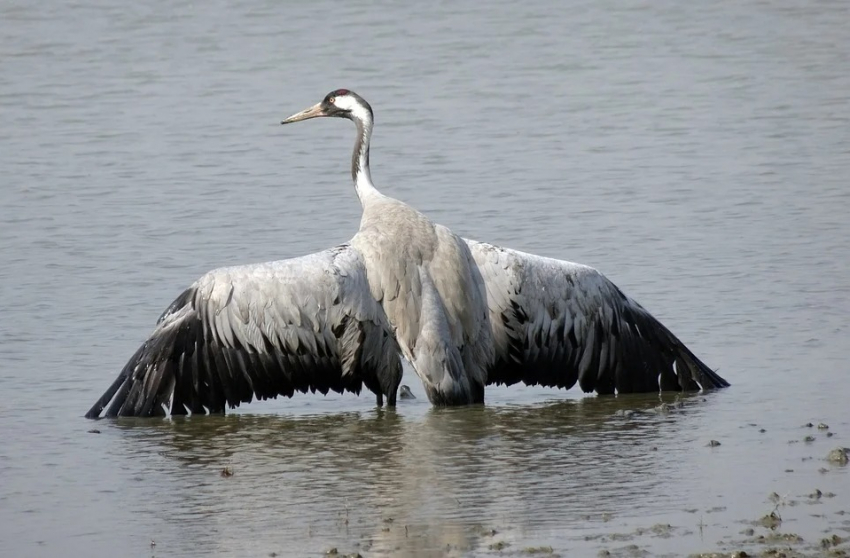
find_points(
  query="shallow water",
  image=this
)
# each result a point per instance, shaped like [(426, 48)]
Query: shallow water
[(698, 156)]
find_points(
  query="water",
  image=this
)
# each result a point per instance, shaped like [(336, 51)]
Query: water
[(698, 155)]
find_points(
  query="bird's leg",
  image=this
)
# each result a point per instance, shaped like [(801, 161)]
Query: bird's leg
[(380, 397), (391, 398)]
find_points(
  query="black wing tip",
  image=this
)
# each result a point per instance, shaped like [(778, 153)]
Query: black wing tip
[(691, 373), (93, 414), (710, 379), (108, 395)]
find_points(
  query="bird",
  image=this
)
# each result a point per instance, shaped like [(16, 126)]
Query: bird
[(465, 314)]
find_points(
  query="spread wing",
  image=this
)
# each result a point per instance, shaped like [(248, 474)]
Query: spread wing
[(262, 330), (556, 323)]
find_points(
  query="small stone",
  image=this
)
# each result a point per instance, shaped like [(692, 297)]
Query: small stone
[(816, 494), (662, 530), (762, 430), (538, 550), (227, 472), (834, 540), (771, 520), (94, 431), (713, 444), (809, 439), (829, 434), (839, 456), (808, 425), (332, 552), (823, 426)]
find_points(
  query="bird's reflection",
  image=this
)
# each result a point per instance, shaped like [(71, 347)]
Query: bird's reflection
[(438, 482)]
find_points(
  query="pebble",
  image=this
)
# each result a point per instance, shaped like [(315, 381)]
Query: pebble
[(839, 456)]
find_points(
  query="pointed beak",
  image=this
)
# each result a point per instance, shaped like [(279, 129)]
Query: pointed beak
[(312, 112)]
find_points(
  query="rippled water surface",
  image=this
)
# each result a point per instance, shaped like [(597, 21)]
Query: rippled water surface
[(699, 155)]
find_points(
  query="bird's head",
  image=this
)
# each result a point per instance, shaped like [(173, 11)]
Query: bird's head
[(341, 103)]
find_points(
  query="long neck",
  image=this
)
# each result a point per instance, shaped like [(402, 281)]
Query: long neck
[(360, 161)]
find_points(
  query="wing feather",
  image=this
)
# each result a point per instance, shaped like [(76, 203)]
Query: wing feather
[(261, 331), (556, 323)]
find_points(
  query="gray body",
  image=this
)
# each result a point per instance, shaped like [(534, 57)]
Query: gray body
[(465, 314)]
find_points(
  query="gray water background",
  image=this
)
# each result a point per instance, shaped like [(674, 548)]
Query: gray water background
[(698, 154)]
